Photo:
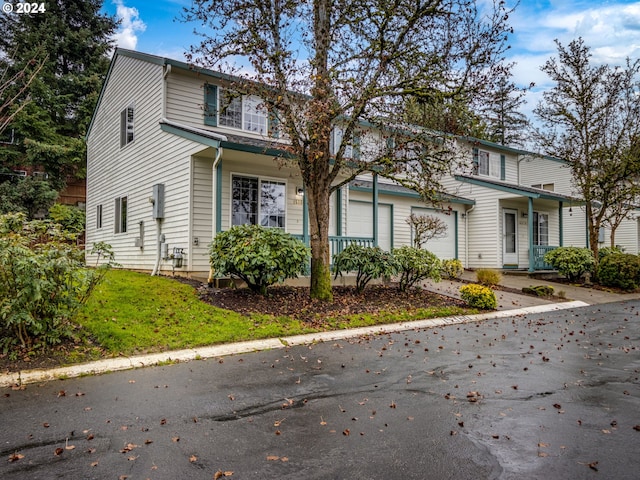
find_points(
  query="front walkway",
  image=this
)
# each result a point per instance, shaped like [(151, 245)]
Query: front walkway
[(508, 300)]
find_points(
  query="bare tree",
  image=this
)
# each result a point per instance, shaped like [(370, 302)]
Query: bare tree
[(590, 119), (320, 63), (425, 228)]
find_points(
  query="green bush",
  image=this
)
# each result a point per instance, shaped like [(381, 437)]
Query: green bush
[(368, 262), (620, 270), (488, 277), (451, 268), (539, 290), (604, 251), (72, 219), (479, 296), (43, 282), (571, 262), (258, 255), (414, 265)]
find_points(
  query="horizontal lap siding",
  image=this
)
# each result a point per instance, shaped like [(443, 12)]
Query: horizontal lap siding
[(185, 98), (153, 157), (201, 213)]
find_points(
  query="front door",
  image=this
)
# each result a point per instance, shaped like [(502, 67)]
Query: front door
[(510, 237)]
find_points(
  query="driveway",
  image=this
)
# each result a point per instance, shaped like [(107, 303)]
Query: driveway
[(553, 396)]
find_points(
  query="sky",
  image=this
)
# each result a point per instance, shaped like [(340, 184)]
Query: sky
[(610, 28)]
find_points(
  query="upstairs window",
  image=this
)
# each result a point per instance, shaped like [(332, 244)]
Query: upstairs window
[(126, 126), (227, 108), (351, 150), (488, 164)]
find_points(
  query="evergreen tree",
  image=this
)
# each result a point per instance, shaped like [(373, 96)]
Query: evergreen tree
[(72, 37)]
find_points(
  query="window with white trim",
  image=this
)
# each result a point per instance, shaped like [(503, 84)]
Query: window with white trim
[(126, 126), (540, 228), (257, 201), (488, 165), (235, 110), (120, 215), (544, 186), (351, 150)]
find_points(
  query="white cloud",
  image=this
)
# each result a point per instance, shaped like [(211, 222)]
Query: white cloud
[(130, 26)]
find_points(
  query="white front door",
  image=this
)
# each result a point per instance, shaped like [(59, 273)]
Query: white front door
[(510, 237)]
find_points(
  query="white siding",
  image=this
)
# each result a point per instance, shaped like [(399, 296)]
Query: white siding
[(153, 157)]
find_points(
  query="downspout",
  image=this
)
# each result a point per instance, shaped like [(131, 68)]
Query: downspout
[(214, 204), (466, 234)]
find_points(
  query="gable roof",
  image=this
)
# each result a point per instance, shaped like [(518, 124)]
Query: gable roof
[(521, 190)]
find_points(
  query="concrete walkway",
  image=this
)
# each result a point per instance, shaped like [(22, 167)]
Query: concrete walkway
[(509, 304)]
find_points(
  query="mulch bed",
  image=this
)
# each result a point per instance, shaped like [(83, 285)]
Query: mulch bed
[(295, 302)]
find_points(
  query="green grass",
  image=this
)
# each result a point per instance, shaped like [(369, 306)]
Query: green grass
[(132, 313)]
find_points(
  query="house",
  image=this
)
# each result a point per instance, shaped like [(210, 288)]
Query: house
[(166, 171), (554, 175), (175, 156)]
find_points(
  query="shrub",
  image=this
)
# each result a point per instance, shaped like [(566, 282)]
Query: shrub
[(479, 296), (368, 263), (571, 262), (488, 277), (451, 268), (539, 290), (604, 251), (258, 255), (414, 264), (620, 270), (72, 219), (43, 282)]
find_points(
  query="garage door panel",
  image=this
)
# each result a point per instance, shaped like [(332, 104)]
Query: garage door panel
[(360, 222), (445, 246)]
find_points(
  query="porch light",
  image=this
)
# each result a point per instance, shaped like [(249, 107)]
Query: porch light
[(525, 214), (299, 192)]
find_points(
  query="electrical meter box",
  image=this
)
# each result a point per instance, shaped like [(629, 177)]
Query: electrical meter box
[(158, 201)]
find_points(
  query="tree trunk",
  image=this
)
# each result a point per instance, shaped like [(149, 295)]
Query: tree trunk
[(319, 232)]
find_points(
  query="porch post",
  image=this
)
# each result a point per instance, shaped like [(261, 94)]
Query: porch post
[(218, 195), (375, 209), (339, 212), (560, 226), (305, 217), (530, 228)]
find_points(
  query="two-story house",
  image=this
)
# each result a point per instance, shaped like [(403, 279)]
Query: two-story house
[(176, 156)]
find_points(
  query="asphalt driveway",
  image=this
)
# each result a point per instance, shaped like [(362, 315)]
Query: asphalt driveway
[(547, 395)]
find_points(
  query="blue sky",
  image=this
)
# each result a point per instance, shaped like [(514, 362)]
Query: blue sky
[(611, 28)]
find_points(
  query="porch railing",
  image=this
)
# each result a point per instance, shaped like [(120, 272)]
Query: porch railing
[(338, 243), (539, 251)]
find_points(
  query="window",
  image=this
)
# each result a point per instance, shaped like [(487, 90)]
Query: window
[(121, 215), (99, 216), (256, 201), (232, 109), (544, 186), (540, 228), (352, 149), (126, 126), (488, 165)]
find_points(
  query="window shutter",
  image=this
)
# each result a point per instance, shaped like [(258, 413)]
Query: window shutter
[(475, 160), (356, 146), (211, 105), (503, 167), (274, 124), (123, 128)]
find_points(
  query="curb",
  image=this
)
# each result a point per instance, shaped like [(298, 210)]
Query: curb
[(129, 363)]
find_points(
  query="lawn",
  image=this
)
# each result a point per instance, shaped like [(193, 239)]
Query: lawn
[(132, 313)]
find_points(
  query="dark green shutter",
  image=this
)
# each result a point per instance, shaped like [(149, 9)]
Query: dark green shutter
[(503, 167), (356, 147), (475, 160), (274, 123), (210, 105)]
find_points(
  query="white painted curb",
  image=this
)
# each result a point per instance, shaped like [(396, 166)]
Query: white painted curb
[(127, 363)]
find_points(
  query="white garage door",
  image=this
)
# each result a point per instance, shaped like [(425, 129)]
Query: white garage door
[(443, 247), (360, 222)]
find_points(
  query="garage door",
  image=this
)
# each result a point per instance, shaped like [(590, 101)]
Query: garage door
[(443, 247), (360, 222)]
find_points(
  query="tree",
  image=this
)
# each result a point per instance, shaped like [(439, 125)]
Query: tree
[(50, 128), (506, 125), (590, 119), (321, 63), (425, 228)]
